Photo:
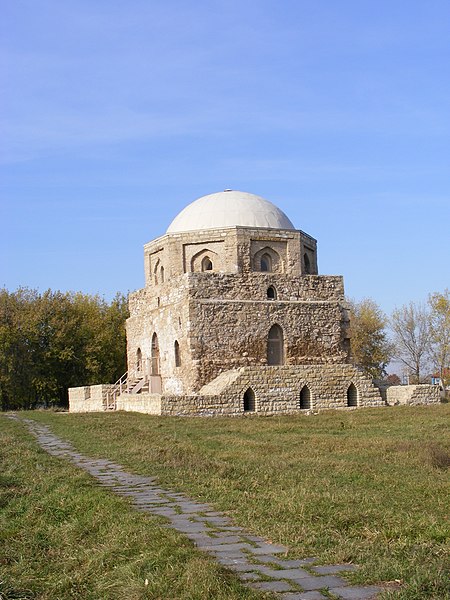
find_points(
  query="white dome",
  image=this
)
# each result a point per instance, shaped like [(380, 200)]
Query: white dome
[(229, 209)]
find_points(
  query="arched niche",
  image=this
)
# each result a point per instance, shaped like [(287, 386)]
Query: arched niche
[(271, 293), (249, 400), (205, 261), (275, 346), (305, 398), (138, 360), (155, 355), (267, 260), (352, 395), (176, 349)]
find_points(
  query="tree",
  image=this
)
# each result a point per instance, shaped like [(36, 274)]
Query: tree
[(370, 348), (54, 340), (412, 337), (440, 333)]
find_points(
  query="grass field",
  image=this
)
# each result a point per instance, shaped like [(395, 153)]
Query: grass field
[(368, 486)]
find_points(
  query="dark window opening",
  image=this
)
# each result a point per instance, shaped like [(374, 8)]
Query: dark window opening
[(155, 355), (138, 360), (207, 264), (305, 398), (271, 293), (307, 263), (266, 263), (352, 395), (275, 346), (249, 400), (177, 354), (162, 274)]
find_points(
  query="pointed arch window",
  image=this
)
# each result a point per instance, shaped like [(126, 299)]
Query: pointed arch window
[(271, 293), (207, 264), (275, 346), (138, 360), (155, 355), (249, 400), (176, 348), (352, 395), (305, 398), (266, 263)]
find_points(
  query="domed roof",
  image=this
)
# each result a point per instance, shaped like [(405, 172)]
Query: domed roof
[(229, 209)]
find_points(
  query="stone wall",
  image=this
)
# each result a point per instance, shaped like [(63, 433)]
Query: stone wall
[(277, 390), (143, 403), (412, 394), (88, 398)]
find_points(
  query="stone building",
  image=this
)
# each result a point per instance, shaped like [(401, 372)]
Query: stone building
[(234, 318)]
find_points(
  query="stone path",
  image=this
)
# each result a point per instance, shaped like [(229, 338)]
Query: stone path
[(259, 564)]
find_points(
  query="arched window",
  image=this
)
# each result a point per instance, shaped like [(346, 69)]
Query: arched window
[(271, 293), (249, 400), (176, 348), (307, 264), (155, 272), (275, 346), (207, 264), (305, 398), (138, 360), (266, 263), (155, 355), (161, 272), (352, 395)]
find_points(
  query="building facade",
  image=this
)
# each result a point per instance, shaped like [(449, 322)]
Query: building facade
[(235, 318)]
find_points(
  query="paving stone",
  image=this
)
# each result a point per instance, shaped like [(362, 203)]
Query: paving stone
[(317, 583), (284, 573), (249, 576), (228, 547), (294, 563), (356, 593), (272, 586), (268, 549), (330, 569), (303, 596)]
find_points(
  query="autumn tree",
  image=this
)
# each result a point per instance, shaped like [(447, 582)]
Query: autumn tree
[(55, 340), (370, 347), (440, 333), (411, 328)]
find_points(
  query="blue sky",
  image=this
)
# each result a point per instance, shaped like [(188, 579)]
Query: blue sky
[(115, 115)]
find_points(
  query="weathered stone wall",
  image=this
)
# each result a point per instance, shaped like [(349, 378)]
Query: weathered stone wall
[(144, 403), (88, 398), (277, 390), (412, 394)]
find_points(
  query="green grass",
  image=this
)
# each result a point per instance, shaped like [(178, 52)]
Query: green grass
[(368, 486), (63, 537)]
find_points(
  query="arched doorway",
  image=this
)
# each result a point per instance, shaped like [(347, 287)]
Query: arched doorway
[(249, 400), (275, 346), (155, 355), (139, 360), (352, 395), (305, 398)]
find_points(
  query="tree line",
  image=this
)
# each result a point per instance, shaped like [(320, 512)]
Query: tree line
[(51, 341), (416, 335)]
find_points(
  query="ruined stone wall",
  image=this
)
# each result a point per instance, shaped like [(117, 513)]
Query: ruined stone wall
[(233, 334), (412, 394), (277, 390)]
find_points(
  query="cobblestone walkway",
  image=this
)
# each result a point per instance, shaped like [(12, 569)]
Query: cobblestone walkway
[(259, 564)]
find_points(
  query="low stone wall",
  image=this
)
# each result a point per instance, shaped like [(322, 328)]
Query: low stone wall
[(277, 390), (412, 394), (144, 403), (91, 398)]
